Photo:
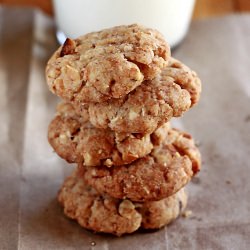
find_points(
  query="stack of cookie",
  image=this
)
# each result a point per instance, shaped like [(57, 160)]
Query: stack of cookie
[(120, 88)]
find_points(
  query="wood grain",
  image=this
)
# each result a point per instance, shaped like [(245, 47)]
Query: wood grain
[(207, 8), (243, 5), (44, 5)]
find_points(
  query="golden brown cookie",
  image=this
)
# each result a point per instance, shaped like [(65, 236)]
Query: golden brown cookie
[(168, 168), (185, 77), (106, 64), (151, 104), (104, 214), (76, 140)]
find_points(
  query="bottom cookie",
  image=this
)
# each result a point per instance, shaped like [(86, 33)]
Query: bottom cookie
[(102, 213)]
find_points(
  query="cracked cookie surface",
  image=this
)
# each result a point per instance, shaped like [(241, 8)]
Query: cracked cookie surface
[(168, 168), (151, 104), (101, 213), (76, 140), (106, 64), (185, 77)]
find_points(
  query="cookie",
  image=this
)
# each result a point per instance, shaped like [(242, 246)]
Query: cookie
[(168, 168), (106, 64), (76, 140), (151, 104), (185, 77), (104, 214)]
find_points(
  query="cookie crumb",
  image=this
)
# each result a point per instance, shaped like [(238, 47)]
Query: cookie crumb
[(93, 243), (198, 143), (196, 180), (187, 213)]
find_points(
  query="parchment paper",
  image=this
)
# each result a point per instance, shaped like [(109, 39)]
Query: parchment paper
[(31, 174)]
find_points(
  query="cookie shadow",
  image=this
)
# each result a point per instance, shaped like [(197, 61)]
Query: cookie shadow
[(50, 226)]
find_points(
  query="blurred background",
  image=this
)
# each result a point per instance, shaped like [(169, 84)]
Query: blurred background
[(95, 15), (203, 8)]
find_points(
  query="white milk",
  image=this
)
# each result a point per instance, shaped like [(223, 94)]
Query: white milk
[(171, 17)]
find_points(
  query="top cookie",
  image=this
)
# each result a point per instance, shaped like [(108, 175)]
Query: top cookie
[(106, 64)]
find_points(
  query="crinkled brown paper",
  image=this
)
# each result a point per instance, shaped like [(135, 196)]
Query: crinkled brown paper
[(31, 174)]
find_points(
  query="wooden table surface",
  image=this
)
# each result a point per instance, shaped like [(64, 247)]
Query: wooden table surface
[(203, 8)]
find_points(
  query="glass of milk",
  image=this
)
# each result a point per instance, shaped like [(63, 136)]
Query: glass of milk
[(78, 17)]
